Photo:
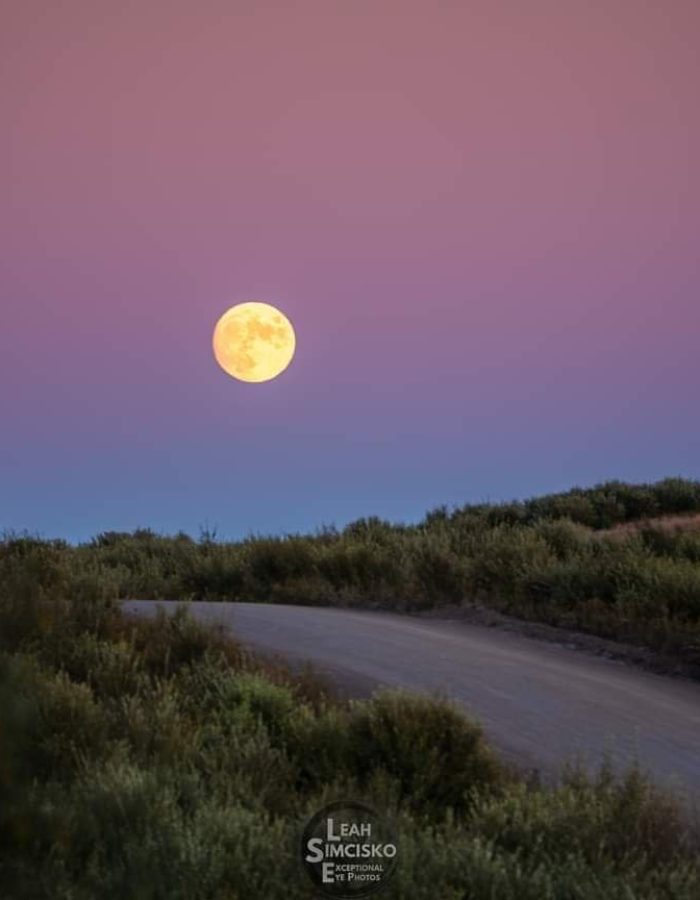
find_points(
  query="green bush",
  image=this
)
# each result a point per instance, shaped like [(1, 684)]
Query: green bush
[(438, 573), (415, 740)]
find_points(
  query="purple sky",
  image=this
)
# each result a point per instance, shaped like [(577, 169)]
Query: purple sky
[(481, 217)]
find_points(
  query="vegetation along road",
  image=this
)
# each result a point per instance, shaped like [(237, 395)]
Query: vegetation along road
[(541, 704)]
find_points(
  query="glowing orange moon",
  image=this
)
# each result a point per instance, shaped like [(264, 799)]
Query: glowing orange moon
[(254, 342)]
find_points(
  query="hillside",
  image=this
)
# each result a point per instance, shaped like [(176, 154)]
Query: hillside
[(620, 561)]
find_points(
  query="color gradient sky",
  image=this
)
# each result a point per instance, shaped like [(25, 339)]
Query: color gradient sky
[(482, 218)]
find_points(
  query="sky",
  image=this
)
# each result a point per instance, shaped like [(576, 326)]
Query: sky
[(482, 218)]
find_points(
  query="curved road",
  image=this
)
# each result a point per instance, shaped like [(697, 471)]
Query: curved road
[(540, 704)]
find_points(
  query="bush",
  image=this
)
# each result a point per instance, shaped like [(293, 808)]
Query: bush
[(416, 740)]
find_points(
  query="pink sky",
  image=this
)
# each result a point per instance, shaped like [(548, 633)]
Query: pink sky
[(482, 218)]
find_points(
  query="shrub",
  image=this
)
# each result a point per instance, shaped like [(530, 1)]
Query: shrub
[(437, 572), (417, 739)]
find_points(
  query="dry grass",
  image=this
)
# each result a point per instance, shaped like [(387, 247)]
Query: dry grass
[(668, 524)]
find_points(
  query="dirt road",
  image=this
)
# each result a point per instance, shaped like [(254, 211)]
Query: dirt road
[(540, 704)]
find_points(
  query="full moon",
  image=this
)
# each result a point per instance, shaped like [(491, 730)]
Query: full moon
[(254, 342)]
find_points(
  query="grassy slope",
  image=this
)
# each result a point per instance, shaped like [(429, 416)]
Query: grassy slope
[(155, 759), (615, 560)]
